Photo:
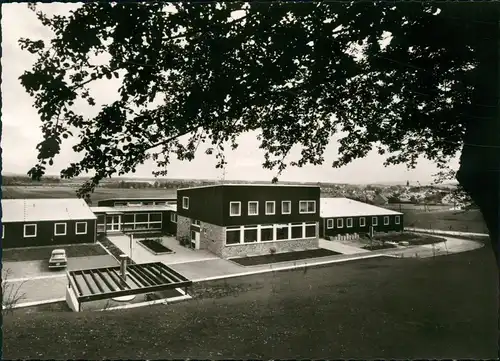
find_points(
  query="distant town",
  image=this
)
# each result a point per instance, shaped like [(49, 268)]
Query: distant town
[(377, 194)]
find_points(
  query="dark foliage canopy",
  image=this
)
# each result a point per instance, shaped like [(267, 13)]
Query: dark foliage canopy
[(298, 72)]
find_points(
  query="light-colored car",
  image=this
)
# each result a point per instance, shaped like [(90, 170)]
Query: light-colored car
[(58, 259)]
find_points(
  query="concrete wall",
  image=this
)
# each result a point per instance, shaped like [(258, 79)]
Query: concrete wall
[(262, 248)]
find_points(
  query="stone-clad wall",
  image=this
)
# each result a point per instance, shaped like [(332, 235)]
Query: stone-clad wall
[(252, 249), (212, 237), (183, 227)]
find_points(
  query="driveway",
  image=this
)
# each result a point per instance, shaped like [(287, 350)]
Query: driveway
[(30, 269)]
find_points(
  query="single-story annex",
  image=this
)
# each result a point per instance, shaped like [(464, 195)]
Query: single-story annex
[(46, 222), (343, 216)]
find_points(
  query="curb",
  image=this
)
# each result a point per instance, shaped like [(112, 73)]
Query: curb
[(36, 303), (285, 268), (26, 279)]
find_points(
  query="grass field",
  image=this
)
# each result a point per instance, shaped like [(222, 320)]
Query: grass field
[(462, 221), (433, 308), (70, 192)]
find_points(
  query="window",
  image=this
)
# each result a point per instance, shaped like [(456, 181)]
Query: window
[(374, 221), (134, 204), (266, 234), (362, 222), (386, 220), (196, 223), (250, 235), (185, 202), (3, 231), (340, 223), (297, 231), (282, 231), (148, 203), (141, 218), (270, 207), (81, 228), (173, 217), (286, 207), (310, 230), (397, 220), (120, 204), (329, 223), (155, 217), (253, 208), (349, 222), (59, 229), (233, 236), (128, 218), (235, 208), (30, 230), (161, 203), (307, 207)]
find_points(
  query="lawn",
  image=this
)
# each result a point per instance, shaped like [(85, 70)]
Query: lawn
[(461, 221), (43, 253), (414, 239), (375, 308), (283, 257), (70, 192)]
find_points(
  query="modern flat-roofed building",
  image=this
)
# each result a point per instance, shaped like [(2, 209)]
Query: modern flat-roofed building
[(136, 215), (46, 222), (343, 216), (233, 220)]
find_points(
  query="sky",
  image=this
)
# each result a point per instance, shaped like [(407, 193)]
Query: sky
[(21, 126)]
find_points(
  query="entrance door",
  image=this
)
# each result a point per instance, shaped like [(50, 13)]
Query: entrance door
[(195, 239), (113, 223)]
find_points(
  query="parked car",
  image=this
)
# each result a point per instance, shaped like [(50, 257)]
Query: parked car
[(58, 259)]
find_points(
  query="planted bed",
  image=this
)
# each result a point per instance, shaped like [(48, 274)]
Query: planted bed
[(283, 257), (155, 246)]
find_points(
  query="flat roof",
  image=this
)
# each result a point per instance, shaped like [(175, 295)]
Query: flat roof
[(128, 209), (251, 185), (106, 282), (139, 199), (345, 207), (45, 209)]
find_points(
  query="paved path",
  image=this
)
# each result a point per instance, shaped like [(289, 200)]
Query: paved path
[(451, 233), (340, 247), (39, 269), (142, 255)]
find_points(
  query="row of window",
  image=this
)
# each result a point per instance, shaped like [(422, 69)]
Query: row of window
[(143, 203), (362, 222), (269, 233), (305, 207), (60, 229)]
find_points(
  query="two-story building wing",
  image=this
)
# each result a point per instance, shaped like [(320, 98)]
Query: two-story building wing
[(233, 220)]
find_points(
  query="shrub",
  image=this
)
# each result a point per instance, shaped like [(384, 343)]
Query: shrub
[(272, 250)]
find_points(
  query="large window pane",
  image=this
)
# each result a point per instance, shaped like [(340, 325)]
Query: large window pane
[(270, 207), (250, 235), (266, 234), (311, 231), (100, 219), (155, 217), (285, 207), (311, 206), (141, 217), (297, 232), (282, 232), (128, 218), (233, 237)]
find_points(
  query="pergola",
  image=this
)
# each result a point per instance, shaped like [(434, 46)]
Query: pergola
[(107, 282)]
